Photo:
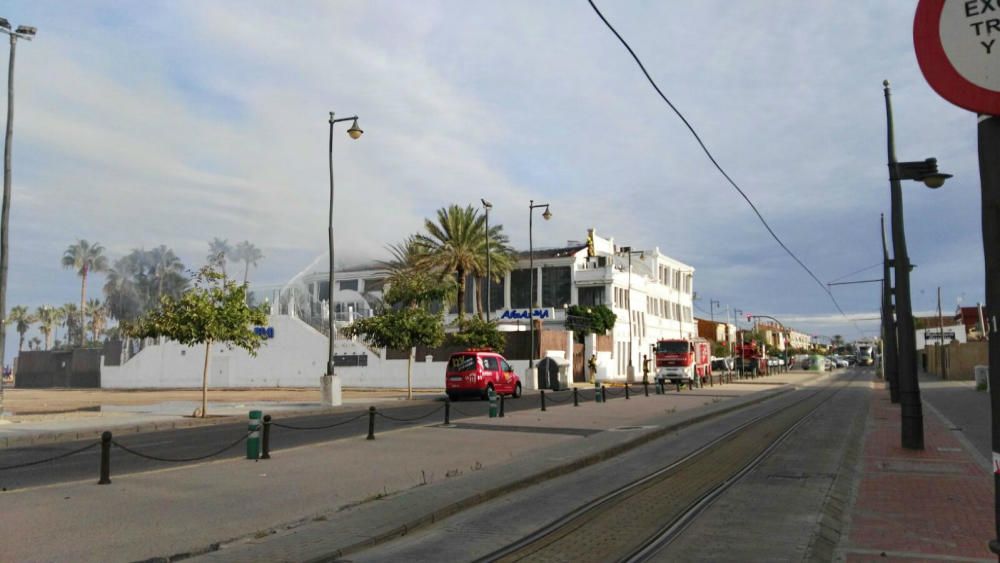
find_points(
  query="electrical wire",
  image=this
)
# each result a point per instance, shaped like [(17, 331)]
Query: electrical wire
[(875, 265), (718, 166)]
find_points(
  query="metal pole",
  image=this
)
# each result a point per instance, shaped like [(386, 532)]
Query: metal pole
[(489, 281), (989, 175), (940, 335), (890, 352), (531, 285), (912, 427), (329, 290), (983, 329), (631, 329), (5, 214)]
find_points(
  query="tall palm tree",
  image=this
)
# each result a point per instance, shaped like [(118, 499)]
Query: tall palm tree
[(455, 245), (84, 258), (218, 251), (250, 255), (69, 317), (23, 320), (48, 319), (122, 295), (164, 268), (408, 279), (35, 343)]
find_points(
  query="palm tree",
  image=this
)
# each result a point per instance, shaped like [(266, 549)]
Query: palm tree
[(165, 269), (218, 250), (84, 258), (121, 292), (455, 245), (408, 280), (34, 343), (98, 317), (48, 319), (250, 255), (69, 317), (20, 317)]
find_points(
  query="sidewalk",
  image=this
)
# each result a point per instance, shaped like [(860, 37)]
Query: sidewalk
[(918, 505), (318, 499)]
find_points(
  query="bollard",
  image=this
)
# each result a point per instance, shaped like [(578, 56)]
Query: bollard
[(492, 396), (597, 392), (678, 384), (542, 394), (645, 387), (576, 397), (371, 423), (604, 394), (266, 438), (501, 405), (690, 384), (105, 458), (447, 411), (253, 441), (626, 391)]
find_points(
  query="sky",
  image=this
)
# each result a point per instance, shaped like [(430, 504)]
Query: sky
[(175, 122)]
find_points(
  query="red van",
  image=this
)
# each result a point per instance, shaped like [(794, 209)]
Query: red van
[(476, 370)]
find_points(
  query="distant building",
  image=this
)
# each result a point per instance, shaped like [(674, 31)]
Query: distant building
[(971, 318)]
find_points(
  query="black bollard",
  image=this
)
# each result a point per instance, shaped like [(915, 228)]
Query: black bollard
[(576, 397), (678, 383), (690, 384), (604, 394), (542, 394), (105, 459), (266, 439), (371, 423), (645, 388), (447, 411), (501, 405), (626, 391)]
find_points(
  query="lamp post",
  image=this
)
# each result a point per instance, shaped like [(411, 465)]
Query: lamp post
[(489, 274), (22, 32), (890, 350), (331, 388), (630, 373), (532, 206), (912, 433)]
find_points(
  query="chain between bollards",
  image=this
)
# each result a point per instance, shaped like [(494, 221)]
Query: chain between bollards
[(576, 397), (542, 395), (371, 423), (266, 438), (105, 459)]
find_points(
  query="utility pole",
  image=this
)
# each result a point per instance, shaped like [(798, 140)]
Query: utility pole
[(890, 350), (941, 336)]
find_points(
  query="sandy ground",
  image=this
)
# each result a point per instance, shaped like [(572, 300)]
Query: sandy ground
[(48, 404)]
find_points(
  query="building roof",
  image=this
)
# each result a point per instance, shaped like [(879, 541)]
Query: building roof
[(560, 252)]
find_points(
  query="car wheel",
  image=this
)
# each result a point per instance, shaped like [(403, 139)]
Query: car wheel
[(486, 392), (517, 391)]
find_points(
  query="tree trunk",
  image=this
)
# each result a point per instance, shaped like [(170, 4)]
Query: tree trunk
[(409, 372), (83, 311), (246, 272), (204, 381), (461, 293)]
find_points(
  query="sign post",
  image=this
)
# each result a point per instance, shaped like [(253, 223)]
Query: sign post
[(959, 53)]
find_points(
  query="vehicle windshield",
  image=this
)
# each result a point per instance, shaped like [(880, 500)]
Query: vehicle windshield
[(462, 362), (672, 347)]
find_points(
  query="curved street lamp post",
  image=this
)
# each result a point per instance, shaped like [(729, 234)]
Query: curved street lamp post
[(331, 387), (532, 206), (489, 274), (926, 171)]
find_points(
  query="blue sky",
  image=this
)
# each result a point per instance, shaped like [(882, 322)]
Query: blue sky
[(139, 124)]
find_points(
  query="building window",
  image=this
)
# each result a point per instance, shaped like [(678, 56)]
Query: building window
[(556, 286), (520, 288), (348, 284), (590, 296), (496, 294)]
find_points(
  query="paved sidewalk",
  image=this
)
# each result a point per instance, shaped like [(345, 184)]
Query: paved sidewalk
[(935, 504)]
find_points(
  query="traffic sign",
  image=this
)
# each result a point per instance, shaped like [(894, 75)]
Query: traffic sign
[(958, 49)]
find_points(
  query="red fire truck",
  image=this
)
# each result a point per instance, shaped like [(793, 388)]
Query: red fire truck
[(683, 360), (750, 358)]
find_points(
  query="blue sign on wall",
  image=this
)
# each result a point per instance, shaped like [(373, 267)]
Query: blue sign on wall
[(523, 314), (265, 331)]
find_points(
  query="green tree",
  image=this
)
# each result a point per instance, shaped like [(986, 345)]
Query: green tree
[(218, 251), (22, 319), (69, 317), (84, 258), (476, 332), (250, 255), (213, 310), (165, 271), (98, 318), (597, 319)]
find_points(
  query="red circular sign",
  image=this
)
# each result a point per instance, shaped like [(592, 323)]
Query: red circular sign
[(958, 49)]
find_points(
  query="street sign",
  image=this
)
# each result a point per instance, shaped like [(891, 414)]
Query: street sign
[(958, 49)]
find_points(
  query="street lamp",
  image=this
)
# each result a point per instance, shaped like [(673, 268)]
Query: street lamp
[(532, 206), (331, 391), (925, 171), (489, 274), (630, 374), (890, 348), (22, 32)]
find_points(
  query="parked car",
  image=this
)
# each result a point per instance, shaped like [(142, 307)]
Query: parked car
[(477, 370)]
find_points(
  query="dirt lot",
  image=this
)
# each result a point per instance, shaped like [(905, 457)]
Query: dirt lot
[(28, 402)]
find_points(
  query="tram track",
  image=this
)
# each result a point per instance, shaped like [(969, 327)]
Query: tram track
[(660, 505)]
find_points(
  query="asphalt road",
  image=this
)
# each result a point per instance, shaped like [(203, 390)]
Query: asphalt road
[(204, 441)]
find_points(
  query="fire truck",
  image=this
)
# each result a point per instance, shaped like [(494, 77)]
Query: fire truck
[(750, 358), (681, 359)]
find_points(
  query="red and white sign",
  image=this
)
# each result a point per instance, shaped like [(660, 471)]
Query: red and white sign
[(958, 49)]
